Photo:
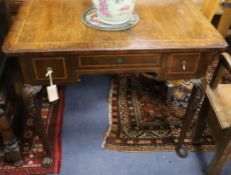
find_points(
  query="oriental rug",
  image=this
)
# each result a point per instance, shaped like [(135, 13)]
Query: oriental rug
[(33, 152), (141, 121)]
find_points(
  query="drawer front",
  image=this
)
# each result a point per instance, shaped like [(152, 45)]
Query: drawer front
[(182, 63), (58, 66), (120, 60)]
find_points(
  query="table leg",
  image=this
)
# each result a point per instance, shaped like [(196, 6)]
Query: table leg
[(29, 94), (201, 122), (170, 91), (195, 99)]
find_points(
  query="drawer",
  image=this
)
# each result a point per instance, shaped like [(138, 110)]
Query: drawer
[(182, 63), (57, 64), (120, 60)]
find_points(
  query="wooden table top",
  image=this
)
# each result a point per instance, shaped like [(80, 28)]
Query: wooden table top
[(55, 25)]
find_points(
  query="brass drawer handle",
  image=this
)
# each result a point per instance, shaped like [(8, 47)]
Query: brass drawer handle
[(119, 60), (184, 63)]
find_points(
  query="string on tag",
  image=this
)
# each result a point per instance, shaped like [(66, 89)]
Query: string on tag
[(49, 74)]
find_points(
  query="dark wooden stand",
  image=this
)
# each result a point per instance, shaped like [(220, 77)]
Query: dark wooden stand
[(11, 147)]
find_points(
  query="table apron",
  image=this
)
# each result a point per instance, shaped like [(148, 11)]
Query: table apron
[(69, 68)]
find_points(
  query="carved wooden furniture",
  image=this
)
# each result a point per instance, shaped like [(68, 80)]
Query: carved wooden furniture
[(172, 39), (12, 152), (225, 21), (216, 112), (11, 148)]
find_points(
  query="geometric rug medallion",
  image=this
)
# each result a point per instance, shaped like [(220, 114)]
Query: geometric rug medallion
[(141, 121)]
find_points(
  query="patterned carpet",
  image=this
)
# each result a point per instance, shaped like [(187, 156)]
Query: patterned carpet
[(140, 120), (33, 151)]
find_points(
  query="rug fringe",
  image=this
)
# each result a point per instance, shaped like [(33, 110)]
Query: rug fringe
[(118, 148), (109, 116)]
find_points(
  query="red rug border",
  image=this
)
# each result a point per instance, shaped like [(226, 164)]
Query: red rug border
[(59, 133)]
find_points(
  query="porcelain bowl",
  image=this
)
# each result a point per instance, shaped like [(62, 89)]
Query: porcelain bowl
[(114, 11)]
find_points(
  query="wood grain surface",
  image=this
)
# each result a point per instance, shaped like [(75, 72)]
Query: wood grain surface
[(54, 26)]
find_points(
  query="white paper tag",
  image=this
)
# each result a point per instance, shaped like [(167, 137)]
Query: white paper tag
[(52, 93)]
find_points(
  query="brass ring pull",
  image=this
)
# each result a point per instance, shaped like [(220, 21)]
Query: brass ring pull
[(120, 61)]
